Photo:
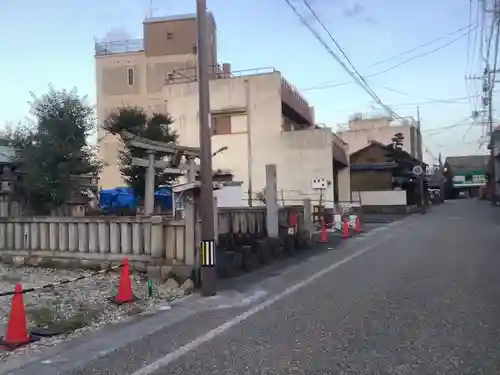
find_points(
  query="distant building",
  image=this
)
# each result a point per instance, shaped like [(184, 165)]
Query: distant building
[(382, 179), (465, 174), (361, 130), (494, 166)]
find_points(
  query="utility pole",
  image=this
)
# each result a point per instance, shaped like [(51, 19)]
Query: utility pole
[(207, 245), (249, 143), (423, 200), (489, 84)]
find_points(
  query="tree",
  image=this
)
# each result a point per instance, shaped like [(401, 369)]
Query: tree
[(397, 155), (53, 150), (397, 141), (156, 127)]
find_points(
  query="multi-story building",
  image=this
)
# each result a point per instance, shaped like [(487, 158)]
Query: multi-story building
[(133, 72), (361, 130), (258, 118)]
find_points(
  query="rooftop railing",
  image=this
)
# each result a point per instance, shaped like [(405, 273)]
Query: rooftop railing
[(119, 46)]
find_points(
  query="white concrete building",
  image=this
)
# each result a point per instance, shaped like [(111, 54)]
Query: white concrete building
[(251, 118), (256, 114), (361, 130)]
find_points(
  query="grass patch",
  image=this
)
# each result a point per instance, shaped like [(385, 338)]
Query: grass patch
[(133, 311), (79, 320), (42, 316), (52, 318)]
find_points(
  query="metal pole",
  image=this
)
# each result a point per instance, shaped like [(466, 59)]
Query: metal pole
[(419, 137), (492, 153), (490, 106), (422, 194), (249, 144), (207, 246)]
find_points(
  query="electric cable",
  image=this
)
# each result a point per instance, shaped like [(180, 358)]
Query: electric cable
[(325, 85), (342, 64)]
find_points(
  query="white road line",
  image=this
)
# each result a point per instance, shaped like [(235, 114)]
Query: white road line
[(210, 335)]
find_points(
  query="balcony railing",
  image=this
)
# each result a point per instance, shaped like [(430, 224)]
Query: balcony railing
[(293, 99), (216, 72), (119, 46)]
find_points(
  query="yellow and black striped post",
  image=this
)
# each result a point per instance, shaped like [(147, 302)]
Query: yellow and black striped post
[(207, 253)]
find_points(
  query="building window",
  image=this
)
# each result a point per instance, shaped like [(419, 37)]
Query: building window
[(170, 36), (221, 124), (130, 76)]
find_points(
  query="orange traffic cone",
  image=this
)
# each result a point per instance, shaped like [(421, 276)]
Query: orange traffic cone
[(125, 294), (324, 236), (345, 229), (17, 332), (357, 225)]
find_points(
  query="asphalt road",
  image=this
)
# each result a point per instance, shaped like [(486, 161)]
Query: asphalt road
[(421, 296)]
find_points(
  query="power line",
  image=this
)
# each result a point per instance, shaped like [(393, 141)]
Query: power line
[(441, 129), (428, 151), (468, 84), (370, 90), (435, 101), (469, 37), (420, 46), (325, 86), (342, 64)]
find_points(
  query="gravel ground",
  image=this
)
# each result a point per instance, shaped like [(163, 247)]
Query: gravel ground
[(82, 304)]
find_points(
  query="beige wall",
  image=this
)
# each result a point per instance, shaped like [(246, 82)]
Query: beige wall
[(300, 155), (169, 54), (360, 138), (176, 35), (146, 92), (381, 198), (291, 151)]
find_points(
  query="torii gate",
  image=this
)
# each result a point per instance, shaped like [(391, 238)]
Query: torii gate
[(174, 166)]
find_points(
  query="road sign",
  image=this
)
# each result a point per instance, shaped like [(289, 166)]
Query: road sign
[(417, 170)]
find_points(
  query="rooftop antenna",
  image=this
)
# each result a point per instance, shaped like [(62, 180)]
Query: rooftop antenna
[(151, 9)]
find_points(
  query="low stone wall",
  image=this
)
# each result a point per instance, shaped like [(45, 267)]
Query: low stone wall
[(93, 242), (394, 210), (242, 220), (243, 242)]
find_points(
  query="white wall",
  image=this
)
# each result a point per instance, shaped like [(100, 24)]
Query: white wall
[(380, 198), (360, 138), (299, 156), (230, 196)]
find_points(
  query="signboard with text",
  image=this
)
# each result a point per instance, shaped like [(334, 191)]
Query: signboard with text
[(469, 180)]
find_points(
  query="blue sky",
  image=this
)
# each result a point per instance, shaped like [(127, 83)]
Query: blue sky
[(51, 42)]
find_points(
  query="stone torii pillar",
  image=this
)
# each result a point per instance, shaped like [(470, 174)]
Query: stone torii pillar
[(149, 196)]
